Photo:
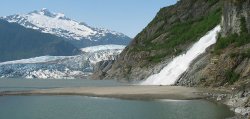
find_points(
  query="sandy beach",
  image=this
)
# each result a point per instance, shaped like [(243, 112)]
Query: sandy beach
[(123, 92)]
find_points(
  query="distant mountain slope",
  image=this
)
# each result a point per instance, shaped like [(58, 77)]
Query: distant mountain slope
[(80, 34), (18, 42)]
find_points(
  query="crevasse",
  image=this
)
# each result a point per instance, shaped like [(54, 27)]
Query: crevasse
[(172, 72)]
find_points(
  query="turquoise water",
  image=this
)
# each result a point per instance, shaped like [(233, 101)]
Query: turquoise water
[(80, 107), (30, 84), (77, 107)]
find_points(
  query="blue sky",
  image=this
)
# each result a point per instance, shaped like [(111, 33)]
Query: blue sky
[(126, 16)]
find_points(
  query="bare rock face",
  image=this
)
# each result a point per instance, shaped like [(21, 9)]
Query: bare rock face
[(229, 69), (133, 63), (234, 11), (194, 75), (101, 68), (213, 70), (216, 70)]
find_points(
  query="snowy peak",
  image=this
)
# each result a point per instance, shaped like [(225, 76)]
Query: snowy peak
[(58, 24), (46, 12), (55, 23)]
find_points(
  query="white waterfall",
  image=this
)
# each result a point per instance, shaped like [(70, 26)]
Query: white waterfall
[(172, 72)]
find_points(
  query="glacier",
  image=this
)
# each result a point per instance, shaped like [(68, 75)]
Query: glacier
[(170, 74), (103, 47), (41, 59), (57, 67)]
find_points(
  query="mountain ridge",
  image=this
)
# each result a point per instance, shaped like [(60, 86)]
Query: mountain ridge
[(18, 42), (170, 33), (78, 33)]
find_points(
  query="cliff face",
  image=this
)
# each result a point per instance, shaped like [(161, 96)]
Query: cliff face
[(177, 27), (171, 32), (228, 61), (233, 13), (227, 64)]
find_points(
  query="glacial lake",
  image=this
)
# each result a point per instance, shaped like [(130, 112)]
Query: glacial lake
[(81, 107)]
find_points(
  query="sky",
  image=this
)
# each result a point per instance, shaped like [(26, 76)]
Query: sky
[(125, 16)]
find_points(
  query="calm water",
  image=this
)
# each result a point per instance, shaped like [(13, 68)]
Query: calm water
[(80, 107), (28, 84)]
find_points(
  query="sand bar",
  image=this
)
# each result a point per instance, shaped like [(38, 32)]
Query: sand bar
[(123, 92)]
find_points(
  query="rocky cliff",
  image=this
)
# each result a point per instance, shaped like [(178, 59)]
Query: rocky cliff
[(226, 65), (234, 11), (228, 61), (176, 28), (173, 31)]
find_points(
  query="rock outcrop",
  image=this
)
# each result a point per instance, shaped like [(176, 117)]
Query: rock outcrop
[(219, 69), (151, 49), (224, 66), (101, 68), (228, 68), (233, 12)]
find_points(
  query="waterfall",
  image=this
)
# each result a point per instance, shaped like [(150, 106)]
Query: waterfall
[(172, 72)]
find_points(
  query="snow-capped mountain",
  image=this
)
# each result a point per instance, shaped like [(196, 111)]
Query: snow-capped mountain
[(80, 34), (96, 45), (57, 67), (18, 42)]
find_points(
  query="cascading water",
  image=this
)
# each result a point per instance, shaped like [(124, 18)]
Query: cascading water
[(172, 72)]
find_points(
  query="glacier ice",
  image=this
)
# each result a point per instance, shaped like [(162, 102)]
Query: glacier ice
[(57, 67)]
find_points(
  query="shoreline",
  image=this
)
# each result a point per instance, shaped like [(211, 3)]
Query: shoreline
[(121, 92), (135, 92)]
